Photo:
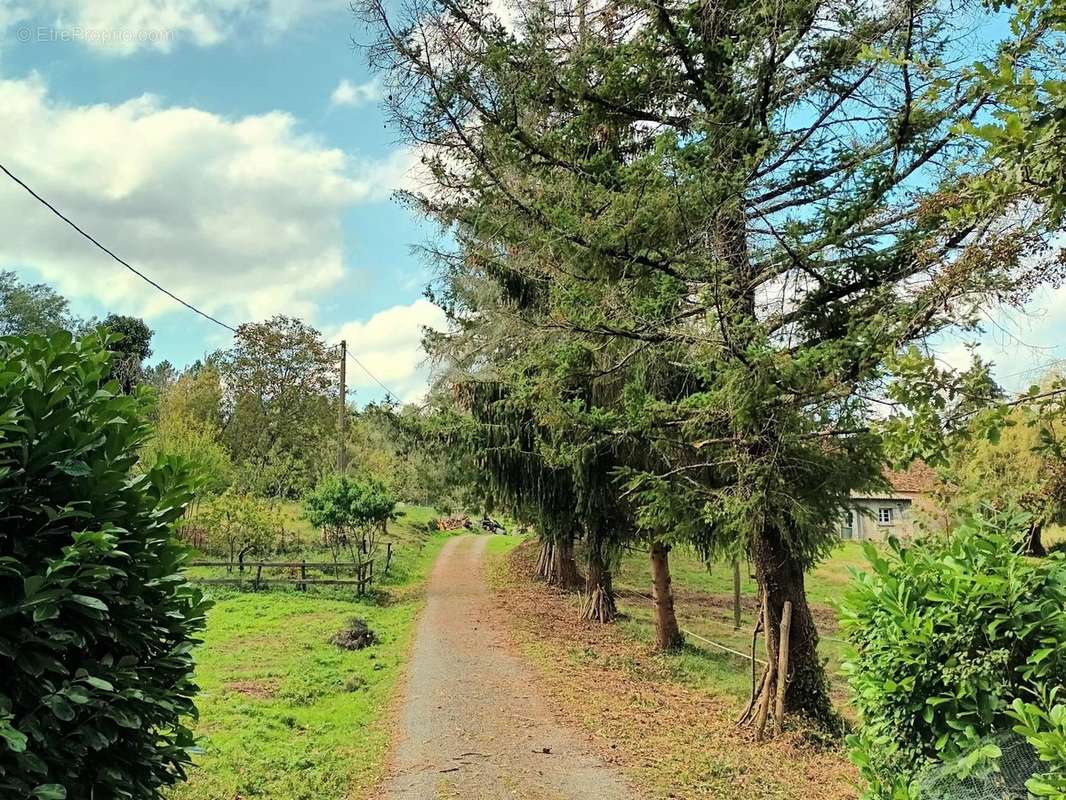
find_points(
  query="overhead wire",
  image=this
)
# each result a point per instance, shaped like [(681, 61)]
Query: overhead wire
[(154, 284)]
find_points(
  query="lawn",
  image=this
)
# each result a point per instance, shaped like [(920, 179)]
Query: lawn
[(285, 714), (704, 606)]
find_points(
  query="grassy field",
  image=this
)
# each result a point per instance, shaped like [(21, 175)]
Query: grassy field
[(285, 714), (704, 606)]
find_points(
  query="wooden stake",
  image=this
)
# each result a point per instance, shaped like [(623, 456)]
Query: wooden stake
[(766, 694), (736, 595), (782, 667)]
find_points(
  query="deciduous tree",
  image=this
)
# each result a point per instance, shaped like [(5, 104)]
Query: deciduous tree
[(278, 404)]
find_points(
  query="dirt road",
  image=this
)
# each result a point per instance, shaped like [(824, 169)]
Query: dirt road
[(472, 725)]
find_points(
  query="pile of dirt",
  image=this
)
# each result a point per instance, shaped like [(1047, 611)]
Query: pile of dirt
[(355, 636)]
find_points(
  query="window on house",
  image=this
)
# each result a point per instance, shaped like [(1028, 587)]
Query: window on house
[(886, 515)]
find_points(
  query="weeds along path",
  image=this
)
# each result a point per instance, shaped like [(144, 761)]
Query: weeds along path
[(472, 726)]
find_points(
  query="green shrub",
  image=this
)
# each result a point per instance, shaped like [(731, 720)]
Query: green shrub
[(948, 633), (1044, 727), (343, 507), (239, 525), (96, 624)]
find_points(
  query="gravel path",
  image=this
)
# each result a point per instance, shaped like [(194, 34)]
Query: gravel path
[(472, 725)]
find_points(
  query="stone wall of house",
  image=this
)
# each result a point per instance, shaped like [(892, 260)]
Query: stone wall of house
[(877, 518)]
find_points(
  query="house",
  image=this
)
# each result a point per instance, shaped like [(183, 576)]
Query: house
[(892, 512)]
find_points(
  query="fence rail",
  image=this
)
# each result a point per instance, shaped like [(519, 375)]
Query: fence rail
[(364, 572), (281, 564), (279, 581)]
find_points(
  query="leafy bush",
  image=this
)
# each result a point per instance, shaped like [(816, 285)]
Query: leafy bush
[(341, 506), (352, 516), (238, 525), (948, 633), (1045, 730), (96, 624)]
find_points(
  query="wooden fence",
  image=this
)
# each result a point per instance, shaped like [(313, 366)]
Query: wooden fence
[(363, 571)]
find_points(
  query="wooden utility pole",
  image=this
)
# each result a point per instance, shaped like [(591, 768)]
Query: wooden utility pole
[(342, 413)]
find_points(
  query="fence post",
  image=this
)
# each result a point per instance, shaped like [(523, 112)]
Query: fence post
[(303, 575), (388, 556), (782, 667), (736, 595)]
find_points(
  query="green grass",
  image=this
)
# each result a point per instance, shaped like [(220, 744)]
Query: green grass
[(502, 545), (286, 715), (704, 606)]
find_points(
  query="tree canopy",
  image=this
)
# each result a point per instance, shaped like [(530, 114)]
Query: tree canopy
[(31, 308), (687, 239)]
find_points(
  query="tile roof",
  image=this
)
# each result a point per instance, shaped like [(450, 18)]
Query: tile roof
[(917, 478)]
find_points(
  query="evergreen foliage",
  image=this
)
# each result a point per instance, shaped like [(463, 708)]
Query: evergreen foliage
[(96, 623), (689, 240)]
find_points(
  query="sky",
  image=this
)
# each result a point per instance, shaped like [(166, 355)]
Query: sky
[(234, 151)]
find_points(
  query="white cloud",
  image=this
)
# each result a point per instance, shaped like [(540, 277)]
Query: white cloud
[(1024, 345), (241, 217), (389, 344), (356, 94), (121, 27)]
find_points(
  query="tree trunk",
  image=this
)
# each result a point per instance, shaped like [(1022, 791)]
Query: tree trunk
[(780, 577), (564, 567), (1034, 545), (599, 593), (667, 633)]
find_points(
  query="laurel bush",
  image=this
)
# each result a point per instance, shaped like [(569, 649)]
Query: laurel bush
[(97, 625)]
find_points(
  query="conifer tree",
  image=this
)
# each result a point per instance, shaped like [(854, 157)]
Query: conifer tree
[(690, 234)]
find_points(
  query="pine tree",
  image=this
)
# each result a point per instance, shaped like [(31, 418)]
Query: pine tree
[(704, 227)]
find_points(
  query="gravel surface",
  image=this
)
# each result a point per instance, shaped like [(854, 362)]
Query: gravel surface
[(472, 726)]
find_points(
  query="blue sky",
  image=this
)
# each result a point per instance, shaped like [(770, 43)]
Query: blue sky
[(189, 138), (234, 150)]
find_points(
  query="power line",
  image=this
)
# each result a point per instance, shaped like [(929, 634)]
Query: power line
[(128, 266), (1036, 368), (373, 377), (151, 282)]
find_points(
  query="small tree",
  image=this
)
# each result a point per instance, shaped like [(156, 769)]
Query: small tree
[(351, 514), (239, 525), (131, 345), (96, 623)]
